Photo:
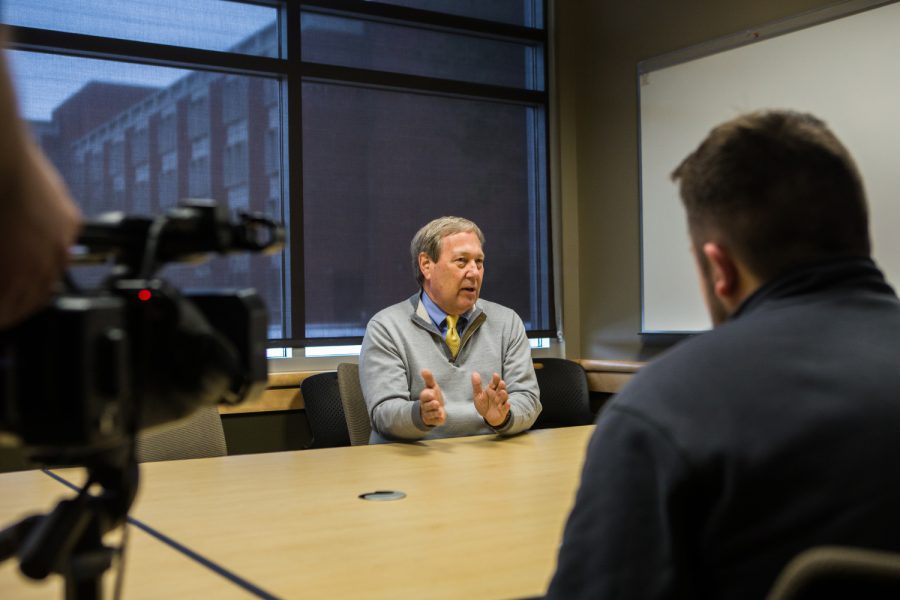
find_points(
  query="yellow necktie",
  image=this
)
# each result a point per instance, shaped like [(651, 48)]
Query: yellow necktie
[(452, 336)]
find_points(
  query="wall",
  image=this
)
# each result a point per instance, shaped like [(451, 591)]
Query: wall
[(598, 46)]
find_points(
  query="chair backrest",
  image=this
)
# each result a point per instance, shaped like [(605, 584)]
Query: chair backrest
[(355, 409), (199, 435), (324, 411), (565, 396), (832, 572)]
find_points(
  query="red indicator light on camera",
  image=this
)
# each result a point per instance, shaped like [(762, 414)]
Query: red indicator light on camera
[(144, 295)]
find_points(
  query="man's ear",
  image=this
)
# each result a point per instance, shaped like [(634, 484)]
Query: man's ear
[(425, 265), (724, 275)]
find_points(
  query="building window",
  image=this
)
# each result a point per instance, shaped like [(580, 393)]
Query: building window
[(141, 193), (199, 178), (380, 116), (239, 199), (139, 145), (168, 127), (168, 179), (236, 154)]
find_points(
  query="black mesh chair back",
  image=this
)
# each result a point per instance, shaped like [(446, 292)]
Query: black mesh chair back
[(839, 572), (564, 393), (324, 411)]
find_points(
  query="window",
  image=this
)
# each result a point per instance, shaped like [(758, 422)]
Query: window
[(168, 179), (199, 177), (354, 122), (142, 189), (236, 154)]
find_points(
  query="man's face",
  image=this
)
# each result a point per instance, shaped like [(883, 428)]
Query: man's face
[(454, 280)]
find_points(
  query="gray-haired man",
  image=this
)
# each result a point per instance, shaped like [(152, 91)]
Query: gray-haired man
[(424, 361)]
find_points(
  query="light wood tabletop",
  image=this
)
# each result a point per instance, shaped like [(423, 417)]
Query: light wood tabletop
[(152, 569), (482, 517)]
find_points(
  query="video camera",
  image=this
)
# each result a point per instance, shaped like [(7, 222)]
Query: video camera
[(97, 366), (81, 378)]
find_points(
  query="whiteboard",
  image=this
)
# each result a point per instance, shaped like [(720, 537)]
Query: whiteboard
[(845, 70)]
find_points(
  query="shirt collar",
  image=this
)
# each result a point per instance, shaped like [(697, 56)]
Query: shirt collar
[(437, 315)]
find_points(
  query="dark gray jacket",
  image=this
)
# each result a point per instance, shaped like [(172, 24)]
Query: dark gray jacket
[(774, 432)]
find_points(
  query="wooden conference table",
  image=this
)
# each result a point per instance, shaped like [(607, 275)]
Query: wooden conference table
[(153, 569), (482, 518)]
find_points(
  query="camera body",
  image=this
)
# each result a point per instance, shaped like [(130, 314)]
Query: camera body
[(95, 367), (65, 376)]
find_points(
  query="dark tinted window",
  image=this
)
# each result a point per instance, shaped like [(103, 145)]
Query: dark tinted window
[(388, 162), (372, 45), (528, 13), (138, 138), (204, 24), (392, 120)]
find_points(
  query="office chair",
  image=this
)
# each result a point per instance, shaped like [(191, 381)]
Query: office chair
[(198, 436), (564, 393), (355, 409), (324, 411), (833, 572)]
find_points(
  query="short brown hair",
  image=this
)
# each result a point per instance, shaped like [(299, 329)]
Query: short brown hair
[(778, 187), (428, 239)]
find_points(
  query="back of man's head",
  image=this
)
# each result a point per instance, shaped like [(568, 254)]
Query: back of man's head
[(778, 189)]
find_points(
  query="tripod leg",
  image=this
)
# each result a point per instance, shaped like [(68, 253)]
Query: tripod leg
[(12, 538), (86, 564)]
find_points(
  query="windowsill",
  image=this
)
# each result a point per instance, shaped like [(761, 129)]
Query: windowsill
[(283, 393)]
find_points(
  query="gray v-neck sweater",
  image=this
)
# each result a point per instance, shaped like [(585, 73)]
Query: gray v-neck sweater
[(401, 340)]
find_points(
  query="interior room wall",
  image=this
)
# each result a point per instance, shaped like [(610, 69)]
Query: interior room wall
[(598, 46)]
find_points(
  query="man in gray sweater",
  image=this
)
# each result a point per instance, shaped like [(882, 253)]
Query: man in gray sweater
[(444, 362)]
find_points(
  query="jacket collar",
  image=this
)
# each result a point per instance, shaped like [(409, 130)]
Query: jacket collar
[(824, 277)]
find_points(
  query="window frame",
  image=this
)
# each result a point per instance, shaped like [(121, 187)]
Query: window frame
[(292, 71)]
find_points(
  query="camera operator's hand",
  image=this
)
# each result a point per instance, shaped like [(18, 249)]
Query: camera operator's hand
[(38, 223), (38, 220)]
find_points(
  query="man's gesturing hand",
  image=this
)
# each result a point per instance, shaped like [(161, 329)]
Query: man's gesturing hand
[(431, 401), (492, 402)]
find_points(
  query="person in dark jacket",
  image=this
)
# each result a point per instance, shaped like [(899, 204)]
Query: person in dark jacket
[(775, 431)]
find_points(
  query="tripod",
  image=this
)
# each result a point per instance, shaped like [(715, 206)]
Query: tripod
[(69, 539)]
